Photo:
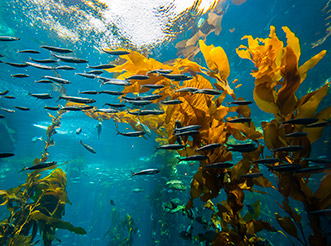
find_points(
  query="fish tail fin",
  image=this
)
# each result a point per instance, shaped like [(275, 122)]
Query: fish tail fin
[(30, 58), (80, 142), (118, 132), (60, 97), (156, 149), (132, 173), (179, 159)]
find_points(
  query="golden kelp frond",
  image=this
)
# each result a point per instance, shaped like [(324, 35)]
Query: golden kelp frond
[(136, 63), (217, 62), (266, 57), (276, 62)]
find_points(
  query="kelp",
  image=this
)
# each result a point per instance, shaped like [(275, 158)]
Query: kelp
[(38, 203), (277, 79), (122, 229), (277, 67)]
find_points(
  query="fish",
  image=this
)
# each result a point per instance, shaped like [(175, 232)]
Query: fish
[(286, 168), (136, 190), (41, 95), (56, 49), (72, 108), (292, 148), (144, 128), (49, 60), (19, 75), (162, 71), (220, 165), (102, 66), (4, 93), (2, 116), (240, 102), (65, 68), (110, 81), (22, 108), (187, 133), (176, 77), (114, 93), (17, 64), (87, 75), (187, 89), (247, 147), (295, 134), (301, 121), (146, 172), (78, 130), (40, 166), (207, 92), (9, 97), (115, 105), (193, 158), (138, 77), (88, 92), (139, 102), (99, 128), (131, 134), (57, 79), (310, 169), (29, 51), (112, 203), (107, 110), (77, 99), (239, 120), (252, 175), (116, 52), (6, 155), (150, 97), (170, 146), (186, 128), (267, 161), (8, 38), (172, 102), (7, 110), (40, 66), (89, 148), (70, 59), (147, 112), (44, 81), (209, 147), (96, 72), (319, 124), (51, 108), (152, 86), (317, 160)]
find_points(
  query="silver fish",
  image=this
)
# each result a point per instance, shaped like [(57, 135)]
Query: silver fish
[(89, 148), (56, 49), (146, 172), (76, 99), (70, 59)]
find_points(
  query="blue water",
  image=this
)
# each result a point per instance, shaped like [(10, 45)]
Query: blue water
[(94, 180)]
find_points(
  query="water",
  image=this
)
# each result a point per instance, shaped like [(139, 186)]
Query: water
[(138, 214)]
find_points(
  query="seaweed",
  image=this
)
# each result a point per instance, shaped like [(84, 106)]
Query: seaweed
[(38, 203)]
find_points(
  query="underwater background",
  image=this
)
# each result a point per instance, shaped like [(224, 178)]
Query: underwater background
[(185, 203)]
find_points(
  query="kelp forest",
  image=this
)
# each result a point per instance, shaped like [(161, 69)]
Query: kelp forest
[(239, 165)]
